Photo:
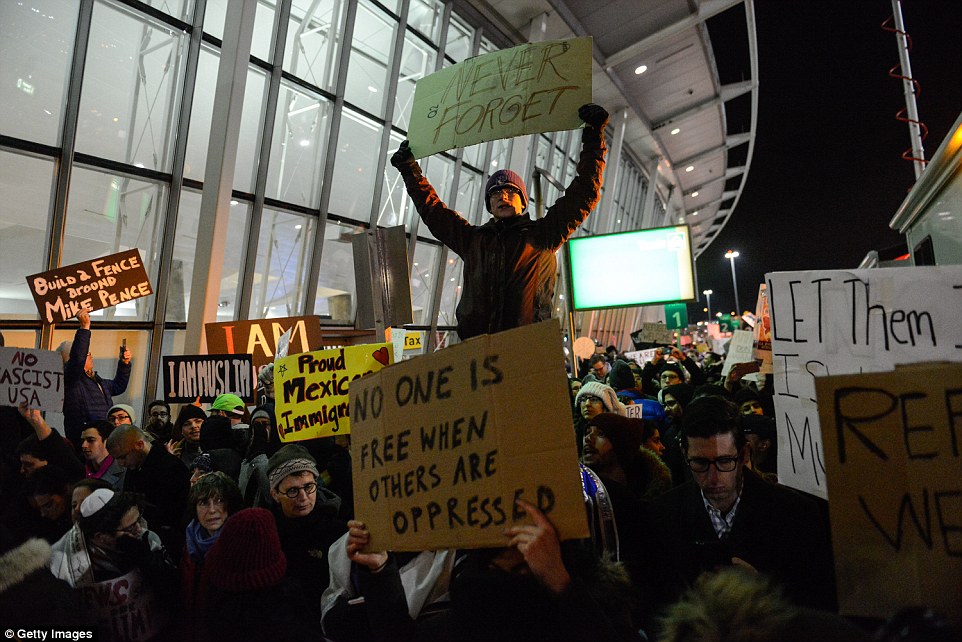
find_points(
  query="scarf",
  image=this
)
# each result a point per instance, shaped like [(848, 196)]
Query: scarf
[(198, 541)]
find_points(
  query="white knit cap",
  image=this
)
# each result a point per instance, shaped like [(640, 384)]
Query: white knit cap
[(604, 392), (95, 501)]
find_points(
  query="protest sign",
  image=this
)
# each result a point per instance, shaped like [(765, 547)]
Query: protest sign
[(311, 389), (207, 375), (528, 89), (763, 332), (63, 293), (844, 322), (33, 377), (740, 350), (895, 487), (445, 443), (653, 333), (123, 608), (260, 338)]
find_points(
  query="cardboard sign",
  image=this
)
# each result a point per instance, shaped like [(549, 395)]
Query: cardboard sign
[(845, 322), (763, 331), (207, 375), (654, 333), (63, 293), (443, 444), (33, 377), (260, 338), (124, 608), (528, 89), (740, 350), (311, 389), (895, 487)]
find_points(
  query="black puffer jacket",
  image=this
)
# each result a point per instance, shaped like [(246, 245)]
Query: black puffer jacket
[(509, 264)]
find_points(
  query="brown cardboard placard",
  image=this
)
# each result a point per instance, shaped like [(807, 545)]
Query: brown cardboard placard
[(101, 283), (259, 337), (443, 444), (894, 475)]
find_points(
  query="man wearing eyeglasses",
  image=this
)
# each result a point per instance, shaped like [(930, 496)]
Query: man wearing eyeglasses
[(307, 522), (509, 261), (727, 515)]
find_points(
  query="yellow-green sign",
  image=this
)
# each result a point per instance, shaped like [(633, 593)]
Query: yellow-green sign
[(311, 389), (532, 88), (412, 341)]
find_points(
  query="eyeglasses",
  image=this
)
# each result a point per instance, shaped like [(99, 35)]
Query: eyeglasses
[(498, 191), (294, 491), (135, 529), (591, 399), (117, 418), (723, 464), (159, 414)]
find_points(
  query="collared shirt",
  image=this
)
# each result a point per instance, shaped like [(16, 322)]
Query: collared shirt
[(99, 472), (721, 523)]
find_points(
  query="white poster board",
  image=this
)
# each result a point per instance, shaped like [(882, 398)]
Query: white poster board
[(846, 322), (740, 350)]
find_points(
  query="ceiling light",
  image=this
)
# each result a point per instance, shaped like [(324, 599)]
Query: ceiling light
[(640, 69), (305, 142), (690, 168), (298, 226), (675, 131), (694, 194)]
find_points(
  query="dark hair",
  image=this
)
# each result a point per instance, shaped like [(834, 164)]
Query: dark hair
[(709, 416), (103, 428), (158, 402), (90, 482), (108, 518), (31, 446), (746, 394), (595, 358), (212, 486), (49, 480), (648, 429)]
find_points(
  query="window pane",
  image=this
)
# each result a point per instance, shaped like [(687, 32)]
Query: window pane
[(298, 148), (451, 292), (202, 113), (215, 16), (469, 197), (500, 155), (182, 265), (474, 154), (24, 217), (129, 89), (423, 281), (109, 213), (311, 52), (370, 51), (425, 16), (417, 61), (283, 253), (396, 207), (37, 42), (336, 289), (354, 167), (179, 9), (460, 37), (439, 170), (21, 338)]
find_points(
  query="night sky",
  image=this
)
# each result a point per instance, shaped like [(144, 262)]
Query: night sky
[(827, 174)]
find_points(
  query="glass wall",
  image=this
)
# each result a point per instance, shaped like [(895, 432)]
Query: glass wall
[(105, 146)]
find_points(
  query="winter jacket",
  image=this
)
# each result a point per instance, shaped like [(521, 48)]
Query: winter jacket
[(509, 264), (87, 399)]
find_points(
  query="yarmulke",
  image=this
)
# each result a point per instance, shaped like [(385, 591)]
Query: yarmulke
[(247, 555), (289, 460), (95, 501)]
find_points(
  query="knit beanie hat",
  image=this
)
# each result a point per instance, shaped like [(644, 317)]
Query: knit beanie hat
[(289, 460), (682, 392), (746, 394), (625, 434), (190, 411), (505, 178), (620, 377), (605, 393), (128, 409), (247, 555), (216, 433), (262, 413), (673, 366), (203, 463)]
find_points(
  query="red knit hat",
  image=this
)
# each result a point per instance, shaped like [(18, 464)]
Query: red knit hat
[(247, 555)]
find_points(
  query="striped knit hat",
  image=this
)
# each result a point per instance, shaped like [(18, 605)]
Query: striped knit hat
[(289, 460)]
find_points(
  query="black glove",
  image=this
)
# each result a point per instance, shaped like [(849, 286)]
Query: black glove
[(594, 115), (403, 157)]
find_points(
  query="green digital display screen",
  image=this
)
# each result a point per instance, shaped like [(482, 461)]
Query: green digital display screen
[(641, 267)]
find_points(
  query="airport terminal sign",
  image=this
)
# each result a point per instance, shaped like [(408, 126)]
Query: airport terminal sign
[(895, 486), (532, 88), (33, 377), (63, 293), (204, 376), (445, 443), (846, 322)]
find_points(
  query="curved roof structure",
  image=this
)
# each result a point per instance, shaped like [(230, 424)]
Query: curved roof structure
[(686, 74)]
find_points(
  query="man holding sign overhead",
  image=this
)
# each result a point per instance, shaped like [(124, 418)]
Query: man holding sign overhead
[(509, 262)]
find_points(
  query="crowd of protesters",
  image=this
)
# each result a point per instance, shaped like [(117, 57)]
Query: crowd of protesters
[(217, 530)]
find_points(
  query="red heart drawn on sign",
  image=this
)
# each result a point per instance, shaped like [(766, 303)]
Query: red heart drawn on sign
[(382, 356)]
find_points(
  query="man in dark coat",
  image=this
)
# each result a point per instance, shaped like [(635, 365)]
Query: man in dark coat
[(88, 396), (727, 515), (509, 262), (159, 476)]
